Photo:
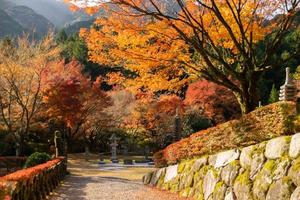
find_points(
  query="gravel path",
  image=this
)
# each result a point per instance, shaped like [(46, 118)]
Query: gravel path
[(90, 182), (107, 188)]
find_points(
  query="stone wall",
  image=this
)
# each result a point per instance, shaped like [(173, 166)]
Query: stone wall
[(269, 170)]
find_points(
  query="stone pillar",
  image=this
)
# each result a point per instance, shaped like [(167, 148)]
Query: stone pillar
[(56, 143), (18, 140), (17, 149), (288, 91), (87, 152), (177, 131), (147, 152)]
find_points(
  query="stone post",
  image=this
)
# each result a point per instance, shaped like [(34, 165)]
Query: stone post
[(147, 152), (87, 152), (17, 149), (18, 139), (56, 143), (177, 134)]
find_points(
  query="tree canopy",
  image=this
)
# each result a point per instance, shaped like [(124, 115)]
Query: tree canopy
[(168, 43)]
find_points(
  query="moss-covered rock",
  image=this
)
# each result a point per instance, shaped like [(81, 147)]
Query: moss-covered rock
[(281, 189), (181, 167), (199, 163), (209, 182), (198, 191), (157, 176), (294, 150), (171, 173), (281, 169), (294, 172), (258, 160), (230, 172), (263, 180), (189, 181), (219, 191), (277, 147), (242, 186), (147, 178), (246, 156), (185, 192), (296, 194)]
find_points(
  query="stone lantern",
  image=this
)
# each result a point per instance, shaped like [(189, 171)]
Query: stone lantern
[(114, 144), (288, 91)]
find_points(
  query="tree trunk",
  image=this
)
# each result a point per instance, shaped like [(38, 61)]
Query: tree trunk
[(248, 97)]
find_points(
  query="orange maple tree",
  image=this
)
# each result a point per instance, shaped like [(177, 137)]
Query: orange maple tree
[(169, 42), (73, 98)]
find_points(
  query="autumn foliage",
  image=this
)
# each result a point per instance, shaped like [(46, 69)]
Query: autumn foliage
[(262, 124), (72, 97), (168, 43), (215, 102)]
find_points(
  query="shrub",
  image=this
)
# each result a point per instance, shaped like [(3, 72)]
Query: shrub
[(262, 124), (36, 159)]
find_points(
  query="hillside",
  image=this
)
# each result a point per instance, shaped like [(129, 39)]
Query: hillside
[(9, 27), (55, 11), (30, 20), (75, 27)]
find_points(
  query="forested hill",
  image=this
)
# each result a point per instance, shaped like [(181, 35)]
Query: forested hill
[(8, 25), (55, 11), (18, 16), (30, 20)]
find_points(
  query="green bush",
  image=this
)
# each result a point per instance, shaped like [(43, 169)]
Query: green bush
[(36, 159)]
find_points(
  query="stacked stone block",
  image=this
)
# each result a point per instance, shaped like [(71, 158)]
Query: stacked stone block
[(266, 171)]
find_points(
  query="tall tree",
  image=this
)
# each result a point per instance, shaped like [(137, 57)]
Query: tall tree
[(22, 64), (214, 39), (73, 98)]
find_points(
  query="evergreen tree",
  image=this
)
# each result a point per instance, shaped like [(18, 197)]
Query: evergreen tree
[(61, 37), (274, 95)]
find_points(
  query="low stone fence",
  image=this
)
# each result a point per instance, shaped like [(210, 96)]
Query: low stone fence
[(269, 170), (33, 183)]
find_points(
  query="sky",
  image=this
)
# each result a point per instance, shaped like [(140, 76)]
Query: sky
[(88, 3)]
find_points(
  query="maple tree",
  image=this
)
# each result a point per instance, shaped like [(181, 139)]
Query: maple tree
[(169, 42), (215, 102), (73, 98), (22, 64), (154, 118)]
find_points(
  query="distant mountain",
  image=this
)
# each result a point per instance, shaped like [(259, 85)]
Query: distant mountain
[(30, 20), (76, 26), (9, 27), (56, 11)]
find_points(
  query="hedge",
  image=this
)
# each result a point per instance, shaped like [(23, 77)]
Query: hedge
[(33, 183), (262, 124)]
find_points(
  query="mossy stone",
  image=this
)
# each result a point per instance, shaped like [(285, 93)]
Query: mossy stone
[(281, 189), (242, 186), (219, 191), (294, 172), (230, 172), (263, 180), (181, 167)]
